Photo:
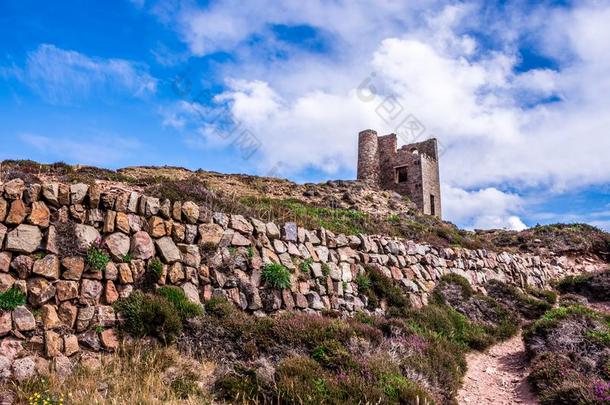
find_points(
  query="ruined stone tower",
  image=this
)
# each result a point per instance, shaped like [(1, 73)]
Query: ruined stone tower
[(411, 171)]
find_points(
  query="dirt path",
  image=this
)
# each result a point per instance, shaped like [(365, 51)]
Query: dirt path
[(498, 376)]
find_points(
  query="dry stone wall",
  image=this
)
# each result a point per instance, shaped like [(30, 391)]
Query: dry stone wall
[(46, 230)]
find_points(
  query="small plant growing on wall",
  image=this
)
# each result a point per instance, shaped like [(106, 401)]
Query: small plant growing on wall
[(11, 299), (305, 265), (276, 276), (156, 267), (97, 258)]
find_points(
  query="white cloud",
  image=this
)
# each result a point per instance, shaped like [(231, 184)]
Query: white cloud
[(62, 76), (482, 209), (305, 111)]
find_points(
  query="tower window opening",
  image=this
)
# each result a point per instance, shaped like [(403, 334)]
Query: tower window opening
[(432, 211), (401, 174)]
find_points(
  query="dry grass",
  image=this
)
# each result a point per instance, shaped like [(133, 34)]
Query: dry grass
[(136, 375)]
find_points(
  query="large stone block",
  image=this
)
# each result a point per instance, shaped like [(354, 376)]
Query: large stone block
[(24, 239)]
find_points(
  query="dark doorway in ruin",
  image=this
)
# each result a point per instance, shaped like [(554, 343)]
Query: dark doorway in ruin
[(401, 174)]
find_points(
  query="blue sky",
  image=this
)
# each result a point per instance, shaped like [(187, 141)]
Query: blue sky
[(516, 92)]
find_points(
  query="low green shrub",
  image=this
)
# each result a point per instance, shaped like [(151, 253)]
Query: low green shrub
[(305, 265), (384, 288), (447, 322), (276, 276), (97, 258), (363, 282), (156, 267), (593, 286), (149, 315), (569, 347), (219, 308), (176, 296), (510, 296), (545, 295), (11, 299)]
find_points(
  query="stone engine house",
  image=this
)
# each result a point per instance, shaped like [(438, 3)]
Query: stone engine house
[(411, 171)]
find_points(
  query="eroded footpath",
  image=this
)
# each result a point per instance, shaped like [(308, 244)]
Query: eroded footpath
[(498, 376)]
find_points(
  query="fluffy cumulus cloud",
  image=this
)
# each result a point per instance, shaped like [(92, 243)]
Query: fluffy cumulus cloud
[(501, 127), (61, 76)]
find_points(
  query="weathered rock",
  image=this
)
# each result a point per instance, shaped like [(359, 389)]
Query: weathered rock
[(142, 246), (210, 234), (24, 368), (53, 344), (3, 230), (39, 291), (3, 208), (13, 189), (90, 292), (109, 339), (47, 267), (191, 292), (49, 317), (67, 313), (17, 213), (176, 273), (109, 221), (168, 250), (84, 318), (24, 239), (5, 261), (125, 275), (78, 192), (5, 374), (51, 241), (241, 224), (190, 210), (40, 214), (50, 192), (122, 222), (240, 240), (71, 345), (190, 255), (6, 322), (110, 293), (22, 265), (74, 267), (85, 236), (106, 316), (289, 231), (23, 319), (6, 282), (90, 340), (273, 232), (118, 245), (156, 227), (66, 290)]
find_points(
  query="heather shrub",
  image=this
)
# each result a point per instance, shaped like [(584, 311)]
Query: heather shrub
[(528, 306), (176, 296), (380, 287), (149, 315), (488, 316), (569, 347), (593, 286)]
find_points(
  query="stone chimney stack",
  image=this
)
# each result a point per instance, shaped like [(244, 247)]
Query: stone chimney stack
[(368, 156)]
